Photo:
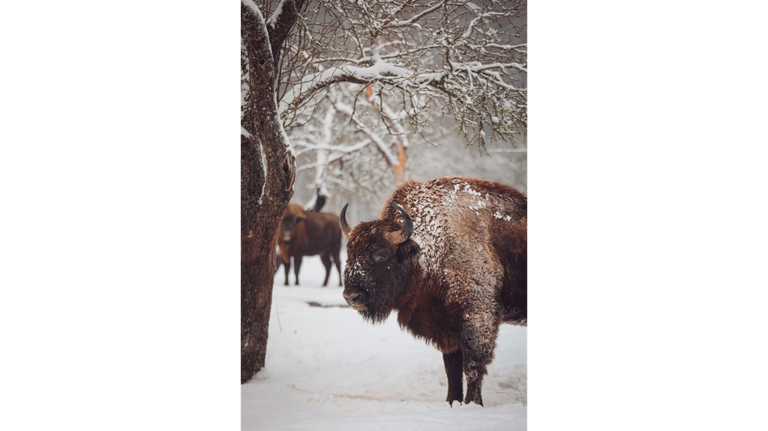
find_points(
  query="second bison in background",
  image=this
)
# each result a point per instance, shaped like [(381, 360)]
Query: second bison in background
[(305, 233), (449, 255)]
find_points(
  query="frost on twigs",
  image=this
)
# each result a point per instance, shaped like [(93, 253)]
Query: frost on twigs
[(387, 70), (466, 58)]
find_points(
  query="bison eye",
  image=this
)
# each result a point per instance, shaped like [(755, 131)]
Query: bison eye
[(380, 256)]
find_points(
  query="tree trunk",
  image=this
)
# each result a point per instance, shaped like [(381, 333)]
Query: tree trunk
[(265, 190)]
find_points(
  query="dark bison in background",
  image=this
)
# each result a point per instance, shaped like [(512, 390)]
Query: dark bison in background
[(304, 233), (449, 255)]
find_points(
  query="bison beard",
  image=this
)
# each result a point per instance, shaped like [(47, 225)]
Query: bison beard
[(453, 276), (393, 274)]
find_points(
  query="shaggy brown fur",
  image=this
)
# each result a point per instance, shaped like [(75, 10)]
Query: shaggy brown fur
[(307, 234), (460, 274)]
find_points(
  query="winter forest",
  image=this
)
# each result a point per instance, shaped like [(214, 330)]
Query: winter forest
[(342, 101)]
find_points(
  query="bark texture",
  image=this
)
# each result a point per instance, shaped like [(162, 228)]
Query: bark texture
[(265, 190)]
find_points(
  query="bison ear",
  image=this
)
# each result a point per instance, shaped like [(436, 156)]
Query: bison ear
[(406, 249)]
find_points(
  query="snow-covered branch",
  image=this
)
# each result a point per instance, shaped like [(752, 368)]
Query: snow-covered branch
[(466, 56), (374, 137), (410, 21), (384, 70)]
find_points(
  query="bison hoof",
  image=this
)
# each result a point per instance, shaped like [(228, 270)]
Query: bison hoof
[(478, 400), (454, 395)]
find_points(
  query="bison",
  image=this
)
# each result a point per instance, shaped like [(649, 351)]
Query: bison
[(449, 255), (307, 234)]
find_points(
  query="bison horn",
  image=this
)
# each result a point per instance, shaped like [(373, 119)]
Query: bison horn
[(402, 236), (343, 221)]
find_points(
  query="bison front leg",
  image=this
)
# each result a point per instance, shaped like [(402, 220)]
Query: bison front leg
[(296, 267), (478, 339), (287, 266), (453, 370)]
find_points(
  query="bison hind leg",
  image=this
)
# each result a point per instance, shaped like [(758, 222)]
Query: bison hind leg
[(327, 263), (337, 262), (453, 370)]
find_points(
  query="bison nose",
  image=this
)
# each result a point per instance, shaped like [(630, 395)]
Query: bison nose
[(355, 298), (352, 296)]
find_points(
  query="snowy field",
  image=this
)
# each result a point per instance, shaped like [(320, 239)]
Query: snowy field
[(327, 369)]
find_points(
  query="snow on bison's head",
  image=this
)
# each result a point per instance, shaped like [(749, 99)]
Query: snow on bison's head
[(379, 264)]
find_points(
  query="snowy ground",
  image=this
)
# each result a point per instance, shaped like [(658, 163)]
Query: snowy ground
[(327, 369)]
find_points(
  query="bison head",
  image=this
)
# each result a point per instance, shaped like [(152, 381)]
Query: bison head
[(293, 215), (379, 264)]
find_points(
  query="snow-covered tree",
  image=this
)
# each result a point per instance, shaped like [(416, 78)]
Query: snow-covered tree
[(377, 72), (350, 145)]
